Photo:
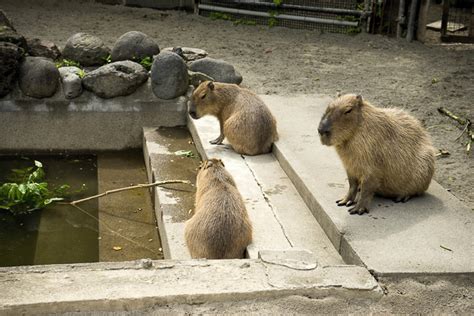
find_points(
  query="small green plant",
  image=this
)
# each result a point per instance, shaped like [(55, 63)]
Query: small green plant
[(146, 62), (67, 63), (220, 16), (81, 73), (29, 191), (278, 2), (108, 59)]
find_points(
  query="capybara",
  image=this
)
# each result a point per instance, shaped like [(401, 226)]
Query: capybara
[(220, 227), (243, 117), (385, 151)]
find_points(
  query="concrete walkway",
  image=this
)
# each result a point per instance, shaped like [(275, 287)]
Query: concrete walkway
[(279, 216), (427, 235)]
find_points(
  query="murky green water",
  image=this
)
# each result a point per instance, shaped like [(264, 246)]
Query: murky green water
[(58, 233), (64, 234)]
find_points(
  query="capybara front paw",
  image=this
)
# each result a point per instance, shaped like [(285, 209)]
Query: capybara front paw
[(358, 210), (401, 198), (345, 202)]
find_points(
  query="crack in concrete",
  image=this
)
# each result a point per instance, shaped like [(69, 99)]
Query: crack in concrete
[(265, 196)]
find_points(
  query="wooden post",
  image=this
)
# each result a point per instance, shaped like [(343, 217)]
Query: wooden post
[(422, 20), (411, 20), (401, 18)]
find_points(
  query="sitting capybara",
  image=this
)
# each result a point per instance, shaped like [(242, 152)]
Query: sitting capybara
[(384, 151), (244, 119), (220, 227)]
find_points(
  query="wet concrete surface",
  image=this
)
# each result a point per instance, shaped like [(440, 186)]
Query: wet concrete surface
[(174, 203)]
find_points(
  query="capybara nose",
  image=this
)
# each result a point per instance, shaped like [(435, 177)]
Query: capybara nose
[(323, 128), (193, 114)]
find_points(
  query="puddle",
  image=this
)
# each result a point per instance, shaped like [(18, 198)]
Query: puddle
[(117, 227)]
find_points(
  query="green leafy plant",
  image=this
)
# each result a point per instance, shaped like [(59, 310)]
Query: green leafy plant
[(67, 63), (146, 62), (185, 153), (28, 191), (220, 16), (278, 2)]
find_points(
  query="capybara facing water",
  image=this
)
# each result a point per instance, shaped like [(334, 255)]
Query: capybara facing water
[(220, 227), (243, 117), (384, 151)]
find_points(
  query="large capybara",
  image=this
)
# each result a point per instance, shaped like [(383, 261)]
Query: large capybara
[(244, 119), (384, 151), (220, 227)]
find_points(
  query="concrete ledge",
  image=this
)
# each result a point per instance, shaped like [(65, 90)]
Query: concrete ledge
[(85, 123), (137, 285), (431, 234)]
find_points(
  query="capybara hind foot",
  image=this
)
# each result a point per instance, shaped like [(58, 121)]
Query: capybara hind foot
[(402, 198), (218, 140), (345, 202)]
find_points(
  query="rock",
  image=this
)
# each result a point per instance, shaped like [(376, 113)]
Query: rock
[(4, 21), (187, 53), (39, 77), (10, 55), (9, 35), (134, 46), (119, 78), (71, 81), (169, 76), (86, 49), (42, 48), (195, 78), (218, 69)]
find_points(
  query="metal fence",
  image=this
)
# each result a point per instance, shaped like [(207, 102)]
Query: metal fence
[(457, 23), (342, 16)]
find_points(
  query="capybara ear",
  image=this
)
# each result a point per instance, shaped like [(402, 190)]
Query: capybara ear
[(359, 99), (338, 94), (221, 162), (208, 164), (210, 85)]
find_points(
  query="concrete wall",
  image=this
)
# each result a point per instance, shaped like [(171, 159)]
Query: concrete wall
[(85, 123)]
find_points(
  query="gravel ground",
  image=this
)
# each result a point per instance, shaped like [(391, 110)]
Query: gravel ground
[(387, 72)]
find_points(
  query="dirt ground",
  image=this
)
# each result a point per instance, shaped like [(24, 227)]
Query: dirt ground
[(387, 72)]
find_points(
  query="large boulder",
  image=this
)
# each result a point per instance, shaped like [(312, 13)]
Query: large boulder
[(71, 81), (169, 76), (10, 56), (187, 53), (218, 69), (9, 35), (115, 79), (39, 77), (134, 45), (42, 48), (4, 21), (86, 49)]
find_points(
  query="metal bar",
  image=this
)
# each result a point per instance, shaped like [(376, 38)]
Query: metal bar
[(280, 16), (301, 7), (444, 18)]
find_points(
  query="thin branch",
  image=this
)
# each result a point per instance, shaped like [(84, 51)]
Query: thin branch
[(115, 232), (463, 131), (138, 186), (450, 114)]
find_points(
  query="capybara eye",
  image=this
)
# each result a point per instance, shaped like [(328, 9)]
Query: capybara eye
[(348, 111), (203, 96)]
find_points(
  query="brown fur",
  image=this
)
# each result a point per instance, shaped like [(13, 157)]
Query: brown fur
[(384, 151), (244, 119), (220, 227)]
